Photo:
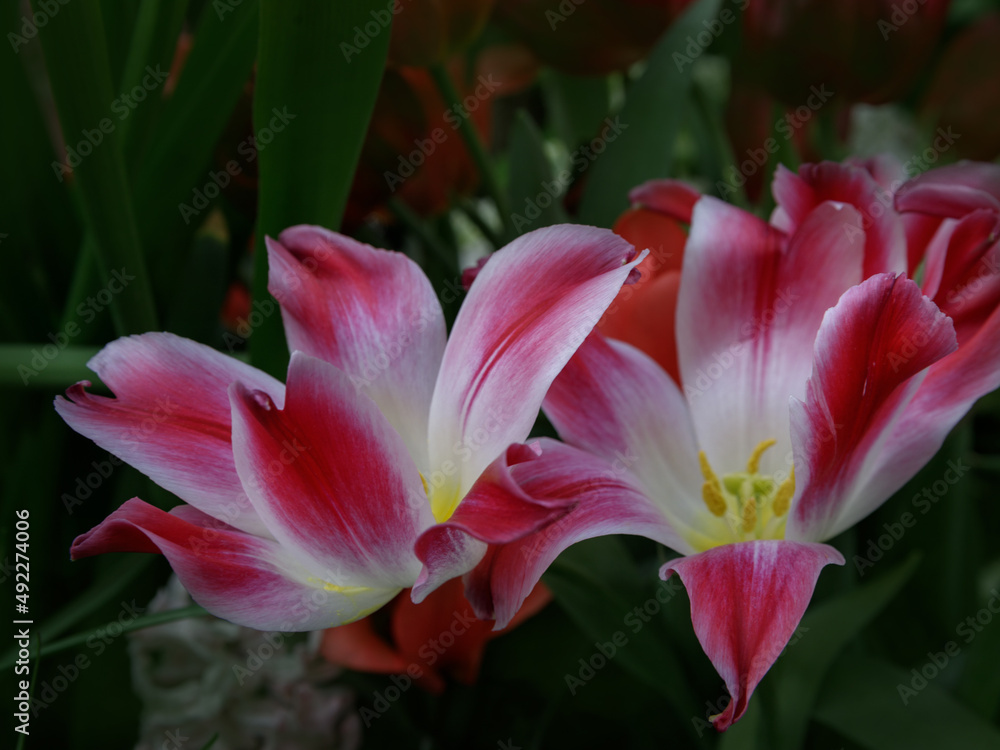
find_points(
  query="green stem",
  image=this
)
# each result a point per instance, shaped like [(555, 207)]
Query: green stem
[(29, 365), (146, 621), (476, 147)]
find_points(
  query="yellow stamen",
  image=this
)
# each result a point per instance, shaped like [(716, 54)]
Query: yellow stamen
[(749, 515), (753, 465), (783, 495), (711, 490), (424, 480)]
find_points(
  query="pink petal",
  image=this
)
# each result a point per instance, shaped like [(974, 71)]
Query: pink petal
[(531, 306), (799, 194), (522, 514), (636, 419), (746, 601), (330, 478), (870, 353), (370, 312), (952, 191), (674, 198), (750, 304), (239, 577), (170, 418)]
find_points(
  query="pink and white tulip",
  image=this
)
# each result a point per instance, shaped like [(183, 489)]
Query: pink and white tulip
[(816, 378), (304, 500)]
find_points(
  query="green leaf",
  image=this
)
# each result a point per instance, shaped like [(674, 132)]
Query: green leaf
[(317, 95), (77, 60), (650, 121), (532, 180), (797, 676), (575, 104), (179, 156), (862, 701), (599, 587)]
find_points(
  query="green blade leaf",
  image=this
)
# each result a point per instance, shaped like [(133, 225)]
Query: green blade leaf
[(317, 96), (862, 701), (650, 120), (797, 676), (533, 193), (77, 59), (597, 585)]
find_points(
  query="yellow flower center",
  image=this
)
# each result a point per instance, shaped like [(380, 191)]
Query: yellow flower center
[(752, 505)]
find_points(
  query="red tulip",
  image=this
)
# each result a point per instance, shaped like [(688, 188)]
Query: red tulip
[(864, 50), (439, 637), (594, 37), (964, 93)]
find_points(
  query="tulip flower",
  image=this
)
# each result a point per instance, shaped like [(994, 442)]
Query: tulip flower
[(304, 499), (592, 38), (863, 50), (816, 378), (439, 637)]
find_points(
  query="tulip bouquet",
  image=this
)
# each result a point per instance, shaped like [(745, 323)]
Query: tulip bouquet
[(468, 374)]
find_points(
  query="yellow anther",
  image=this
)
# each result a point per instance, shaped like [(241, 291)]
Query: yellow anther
[(753, 465), (714, 499), (426, 487), (749, 515), (783, 495), (711, 490)]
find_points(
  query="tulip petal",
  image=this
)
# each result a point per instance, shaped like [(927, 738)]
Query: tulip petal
[(673, 198), (359, 647), (170, 418), (330, 477), (530, 307), (952, 191), (871, 355), (746, 601), (239, 577), (637, 420), (554, 499), (799, 194), (749, 307), (370, 312)]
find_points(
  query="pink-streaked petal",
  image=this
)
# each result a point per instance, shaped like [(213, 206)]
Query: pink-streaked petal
[(530, 307), (750, 304), (952, 191), (170, 418), (673, 198), (871, 354), (239, 577), (525, 514), (963, 270), (799, 194), (746, 601), (370, 312), (952, 385), (330, 478), (636, 418)]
